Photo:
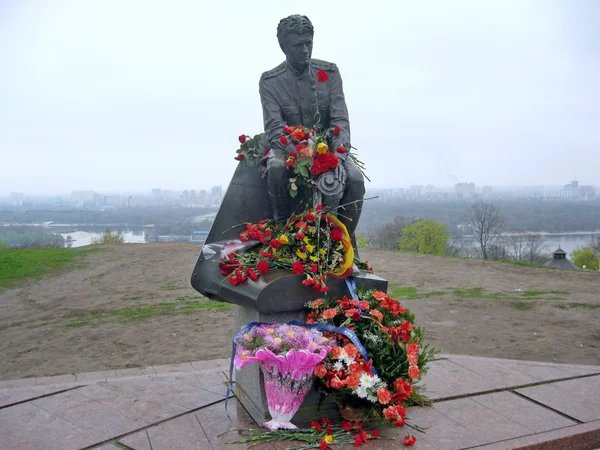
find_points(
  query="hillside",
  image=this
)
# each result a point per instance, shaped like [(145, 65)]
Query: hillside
[(131, 305)]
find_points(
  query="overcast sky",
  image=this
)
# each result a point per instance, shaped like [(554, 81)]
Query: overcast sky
[(114, 95)]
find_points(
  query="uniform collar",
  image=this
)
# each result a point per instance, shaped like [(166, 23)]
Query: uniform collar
[(297, 74)]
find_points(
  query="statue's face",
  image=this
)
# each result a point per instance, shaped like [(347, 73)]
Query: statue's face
[(298, 50)]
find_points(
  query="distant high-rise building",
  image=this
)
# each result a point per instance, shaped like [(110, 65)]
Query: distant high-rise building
[(16, 198)]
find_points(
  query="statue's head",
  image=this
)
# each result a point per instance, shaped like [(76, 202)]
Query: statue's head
[(295, 35)]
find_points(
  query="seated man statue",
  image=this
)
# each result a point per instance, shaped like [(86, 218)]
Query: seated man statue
[(309, 92)]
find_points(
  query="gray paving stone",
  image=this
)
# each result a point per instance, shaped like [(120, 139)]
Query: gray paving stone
[(211, 365), (43, 429), (484, 425), (58, 379), (15, 395), (135, 371), (496, 373), (96, 376), (174, 368), (528, 414), (583, 407), (447, 379), (182, 432), (22, 382), (137, 441), (587, 387), (214, 421), (107, 447)]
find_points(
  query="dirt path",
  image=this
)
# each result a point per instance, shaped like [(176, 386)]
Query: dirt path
[(132, 306)]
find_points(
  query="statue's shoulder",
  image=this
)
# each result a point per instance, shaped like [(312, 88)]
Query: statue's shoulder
[(281, 68), (319, 64)]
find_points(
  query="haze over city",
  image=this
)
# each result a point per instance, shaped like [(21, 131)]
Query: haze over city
[(129, 96)]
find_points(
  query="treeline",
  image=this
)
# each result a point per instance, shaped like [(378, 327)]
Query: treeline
[(124, 216), (27, 237), (519, 214)]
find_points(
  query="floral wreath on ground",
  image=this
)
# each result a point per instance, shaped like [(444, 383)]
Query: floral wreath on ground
[(393, 344), (314, 244)]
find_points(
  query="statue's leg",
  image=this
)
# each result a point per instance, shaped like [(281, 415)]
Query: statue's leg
[(354, 193), (277, 180)]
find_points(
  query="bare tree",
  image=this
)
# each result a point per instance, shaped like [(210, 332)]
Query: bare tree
[(486, 223), (535, 245), (388, 235), (517, 245)]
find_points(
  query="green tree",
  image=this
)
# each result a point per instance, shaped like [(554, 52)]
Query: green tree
[(426, 237), (361, 241), (109, 237), (585, 256)]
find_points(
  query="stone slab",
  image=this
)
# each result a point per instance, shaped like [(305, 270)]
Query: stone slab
[(211, 365), (58, 379), (445, 379), (137, 441), (582, 407), (135, 371), (21, 382), (174, 368), (579, 437), (95, 376), (496, 373)]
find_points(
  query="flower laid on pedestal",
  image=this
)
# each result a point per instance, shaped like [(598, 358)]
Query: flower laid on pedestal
[(314, 244), (287, 355), (386, 382)]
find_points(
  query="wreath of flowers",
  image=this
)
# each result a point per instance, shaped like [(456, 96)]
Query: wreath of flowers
[(393, 343), (314, 244)]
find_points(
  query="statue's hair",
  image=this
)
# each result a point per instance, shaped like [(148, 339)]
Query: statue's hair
[(293, 24)]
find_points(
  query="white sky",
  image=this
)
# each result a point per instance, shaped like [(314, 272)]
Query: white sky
[(115, 95)]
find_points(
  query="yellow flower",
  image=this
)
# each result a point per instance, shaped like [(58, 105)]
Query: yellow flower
[(328, 438), (322, 148), (301, 255), (310, 248), (314, 258), (322, 251), (283, 239), (270, 331), (306, 240)]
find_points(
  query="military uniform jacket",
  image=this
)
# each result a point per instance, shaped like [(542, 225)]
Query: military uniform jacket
[(291, 98)]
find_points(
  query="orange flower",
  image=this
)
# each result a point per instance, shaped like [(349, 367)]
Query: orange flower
[(352, 381), (329, 313), (413, 372), (412, 348), (336, 352), (379, 295), (413, 358), (351, 350), (318, 302), (320, 371), (298, 134), (384, 396), (364, 305), (390, 413), (377, 314)]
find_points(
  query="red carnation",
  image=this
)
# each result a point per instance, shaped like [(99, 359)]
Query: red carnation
[(320, 371), (266, 152), (240, 157), (275, 243), (287, 129), (299, 236), (353, 313), (322, 444), (310, 217), (252, 274), (322, 76), (283, 140), (314, 268), (323, 163), (336, 131), (341, 149), (336, 235), (319, 208), (410, 439), (263, 266), (316, 425), (298, 268), (242, 138)]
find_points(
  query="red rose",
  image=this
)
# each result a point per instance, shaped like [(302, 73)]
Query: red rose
[(263, 266), (336, 235), (341, 149), (322, 76), (266, 152), (287, 129), (240, 157), (293, 155), (298, 268), (336, 131), (275, 243), (289, 163), (299, 236), (242, 138), (283, 140), (319, 208)]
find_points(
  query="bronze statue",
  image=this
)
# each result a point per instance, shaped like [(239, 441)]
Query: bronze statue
[(307, 91)]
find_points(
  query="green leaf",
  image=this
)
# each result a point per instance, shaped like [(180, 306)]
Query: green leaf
[(303, 171)]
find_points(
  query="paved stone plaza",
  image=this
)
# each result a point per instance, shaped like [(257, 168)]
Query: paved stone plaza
[(479, 403)]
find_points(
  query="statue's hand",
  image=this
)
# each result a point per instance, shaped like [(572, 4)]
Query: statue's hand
[(340, 173)]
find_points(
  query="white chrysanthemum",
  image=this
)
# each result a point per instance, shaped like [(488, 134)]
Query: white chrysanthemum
[(338, 366), (361, 391), (372, 398), (368, 381)]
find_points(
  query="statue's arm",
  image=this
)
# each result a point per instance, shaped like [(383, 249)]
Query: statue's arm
[(339, 114), (272, 117)]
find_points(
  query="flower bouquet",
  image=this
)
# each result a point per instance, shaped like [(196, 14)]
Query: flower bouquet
[(314, 244), (384, 384), (287, 355)]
